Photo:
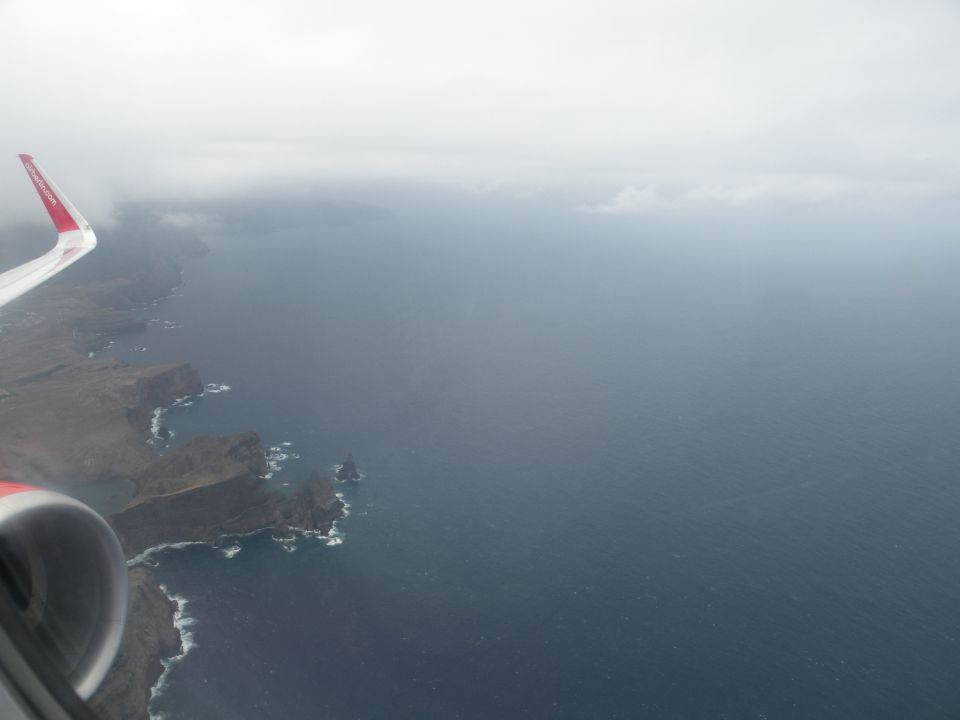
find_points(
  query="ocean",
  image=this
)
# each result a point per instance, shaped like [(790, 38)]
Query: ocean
[(614, 468)]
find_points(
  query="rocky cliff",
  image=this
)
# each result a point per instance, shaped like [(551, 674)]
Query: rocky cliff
[(212, 487), (313, 507), (86, 421), (66, 418), (148, 636)]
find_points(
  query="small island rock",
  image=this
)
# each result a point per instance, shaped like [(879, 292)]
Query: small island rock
[(348, 470)]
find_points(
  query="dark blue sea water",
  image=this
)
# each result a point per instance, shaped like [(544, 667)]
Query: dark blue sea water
[(613, 469)]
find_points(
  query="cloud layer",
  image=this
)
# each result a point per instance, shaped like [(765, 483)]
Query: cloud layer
[(654, 105)]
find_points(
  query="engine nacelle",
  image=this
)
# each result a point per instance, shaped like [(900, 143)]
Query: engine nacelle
[(63, 569)]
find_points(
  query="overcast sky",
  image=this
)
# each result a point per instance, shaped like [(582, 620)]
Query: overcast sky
[(624, 107)]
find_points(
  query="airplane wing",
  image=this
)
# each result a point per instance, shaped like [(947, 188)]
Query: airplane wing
[(75, 238)]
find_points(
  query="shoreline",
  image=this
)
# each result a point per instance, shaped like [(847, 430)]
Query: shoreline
[(182, 622), (74, 419)]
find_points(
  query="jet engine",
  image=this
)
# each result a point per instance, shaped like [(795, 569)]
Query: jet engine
[(62, 569)]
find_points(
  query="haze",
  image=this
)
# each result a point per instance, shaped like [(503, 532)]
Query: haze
[(610, 107)]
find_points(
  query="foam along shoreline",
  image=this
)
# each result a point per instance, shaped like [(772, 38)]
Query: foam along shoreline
[(157, 438), (182, 620), (57, 347), (277, 456), (289, 544), (332, 538), (147, 556), (214, 486), (93, 353), (175, 291), (184, 623)]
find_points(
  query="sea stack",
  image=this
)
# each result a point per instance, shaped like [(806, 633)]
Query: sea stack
[(348, 469)]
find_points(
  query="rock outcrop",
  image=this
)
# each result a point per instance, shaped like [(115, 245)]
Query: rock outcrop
[(202, 461), (148, 636), (213, 487), (313, 507), (348, 469)]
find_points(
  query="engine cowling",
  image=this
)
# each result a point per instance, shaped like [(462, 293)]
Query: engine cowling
[(63, 570)]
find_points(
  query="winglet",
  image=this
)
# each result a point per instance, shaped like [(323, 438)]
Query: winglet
[(75, 238), (52, 198)]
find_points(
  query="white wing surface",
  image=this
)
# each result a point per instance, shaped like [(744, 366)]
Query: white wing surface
[(75, 238)]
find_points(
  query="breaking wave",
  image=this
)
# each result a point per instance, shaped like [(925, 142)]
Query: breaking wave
[(175, 291), (183, 621), (106, 347), (147, 557), (157, 439), (165, 324), (335, 536), (288, 544), (184, 624), (277, 456), (156, 425), (331, 538)]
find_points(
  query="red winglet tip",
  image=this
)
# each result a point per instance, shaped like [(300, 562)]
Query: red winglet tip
[(61, 217)]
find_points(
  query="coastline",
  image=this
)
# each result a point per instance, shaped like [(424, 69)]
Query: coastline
[(182, 622), (73, 420)]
